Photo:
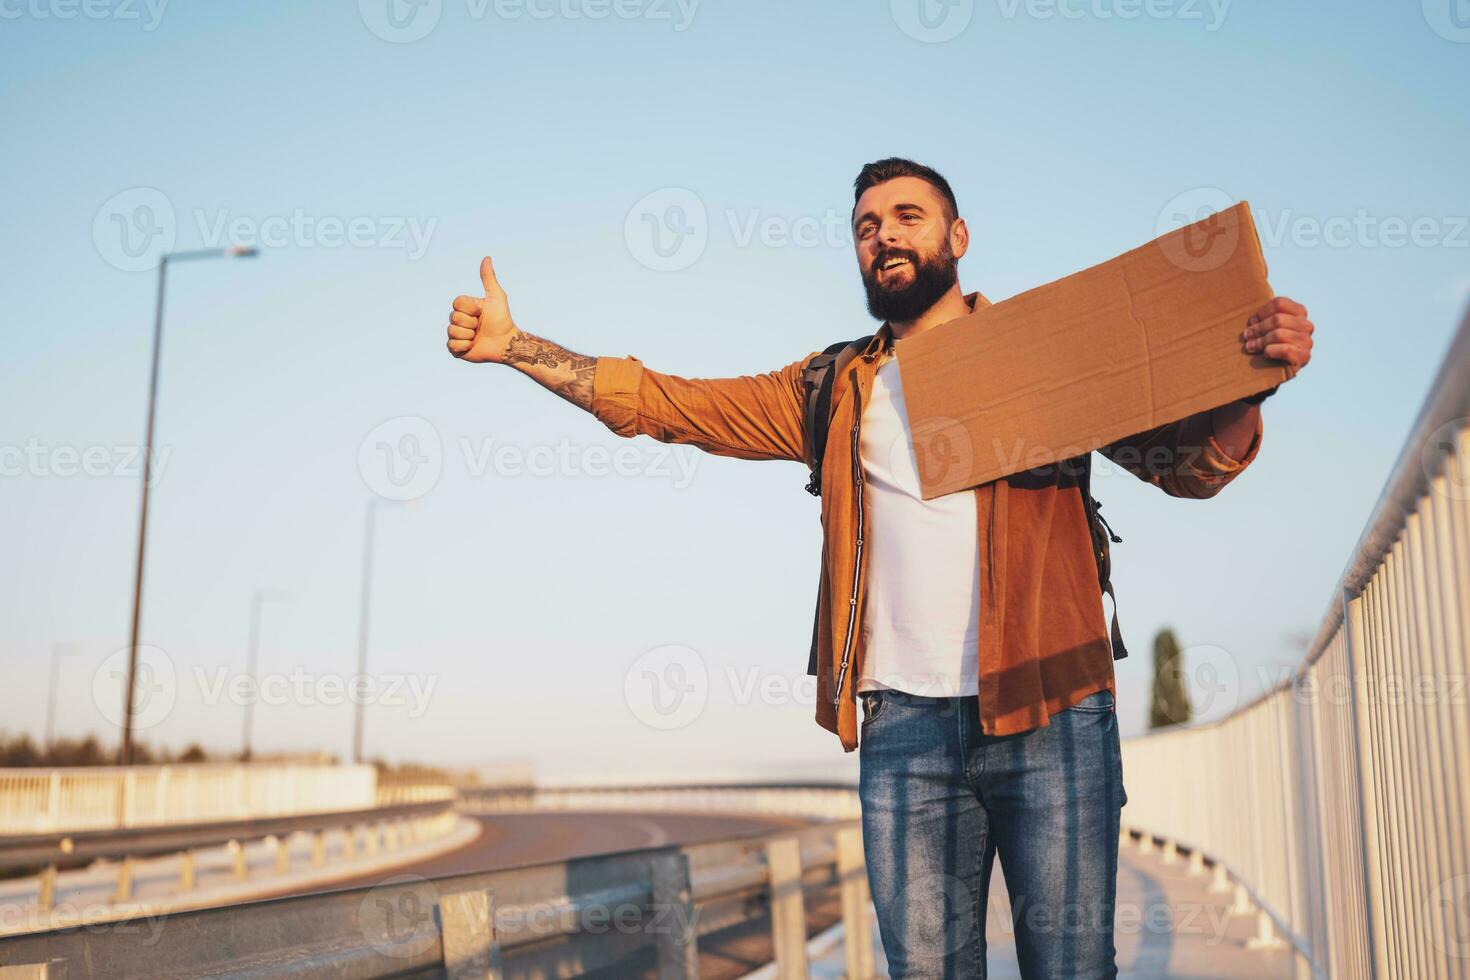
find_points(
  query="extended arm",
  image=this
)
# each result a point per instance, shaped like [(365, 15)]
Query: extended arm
[(750, 417)]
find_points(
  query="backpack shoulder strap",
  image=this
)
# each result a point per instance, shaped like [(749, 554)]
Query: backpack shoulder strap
[(1102, 535), (818, 380)]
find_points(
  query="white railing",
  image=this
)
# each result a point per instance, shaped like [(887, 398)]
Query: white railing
[(40, 801), (1339, 801)]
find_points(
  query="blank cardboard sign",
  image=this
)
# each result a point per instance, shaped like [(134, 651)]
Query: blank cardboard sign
[(1144, 339)]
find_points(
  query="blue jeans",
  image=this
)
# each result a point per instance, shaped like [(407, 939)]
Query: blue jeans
[(940, 800)]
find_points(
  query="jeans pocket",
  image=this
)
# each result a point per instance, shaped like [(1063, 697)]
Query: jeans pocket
[(873, 702), (1098, 701)]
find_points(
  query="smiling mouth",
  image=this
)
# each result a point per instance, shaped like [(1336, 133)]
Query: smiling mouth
[(892, 265)]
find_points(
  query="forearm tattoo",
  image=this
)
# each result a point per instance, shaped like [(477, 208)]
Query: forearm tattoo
[(566, 373)]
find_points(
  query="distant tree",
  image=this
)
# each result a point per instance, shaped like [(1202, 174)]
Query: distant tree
[(193, 754), (19, 751), (78, 752), (1171, 705)]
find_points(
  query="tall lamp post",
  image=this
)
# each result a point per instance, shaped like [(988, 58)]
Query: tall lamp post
[(364, 619), (57, 652), (125, 753), (362, 623), (252, 656)]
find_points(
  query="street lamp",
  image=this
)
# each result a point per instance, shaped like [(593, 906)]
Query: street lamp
[(363, 618), (57, 652), (252, 655), (125, 754)]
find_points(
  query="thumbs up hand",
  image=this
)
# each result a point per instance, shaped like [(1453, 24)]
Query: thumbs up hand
[(480, 328)]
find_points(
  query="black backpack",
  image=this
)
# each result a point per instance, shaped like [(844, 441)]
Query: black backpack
[(818, 380)]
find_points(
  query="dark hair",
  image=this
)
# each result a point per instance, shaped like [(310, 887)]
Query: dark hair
[(887, 169)]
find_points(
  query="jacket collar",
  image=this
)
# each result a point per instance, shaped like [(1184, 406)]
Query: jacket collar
[(883, 339)]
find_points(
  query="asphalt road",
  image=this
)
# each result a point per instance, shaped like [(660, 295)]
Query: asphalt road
[(515, 839)]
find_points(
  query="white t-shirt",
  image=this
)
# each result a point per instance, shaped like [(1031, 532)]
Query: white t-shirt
[(921, 622)]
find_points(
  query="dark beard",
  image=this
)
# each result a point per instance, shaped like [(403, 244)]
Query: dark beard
[(934, 275)]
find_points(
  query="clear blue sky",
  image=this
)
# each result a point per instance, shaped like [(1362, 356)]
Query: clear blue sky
[(526, 600)]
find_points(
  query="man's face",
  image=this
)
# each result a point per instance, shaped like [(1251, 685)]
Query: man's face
[(901, 230)]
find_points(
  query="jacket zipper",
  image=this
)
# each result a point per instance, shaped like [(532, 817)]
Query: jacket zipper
[(857, 564)]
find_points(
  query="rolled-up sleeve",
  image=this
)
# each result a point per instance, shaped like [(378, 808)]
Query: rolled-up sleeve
[(1182, 458), (755, 416)]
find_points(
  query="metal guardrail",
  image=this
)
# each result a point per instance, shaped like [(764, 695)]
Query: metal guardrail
[(366, 830), (108, 797), (557, 918), (1339, 800), (39, 850)]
